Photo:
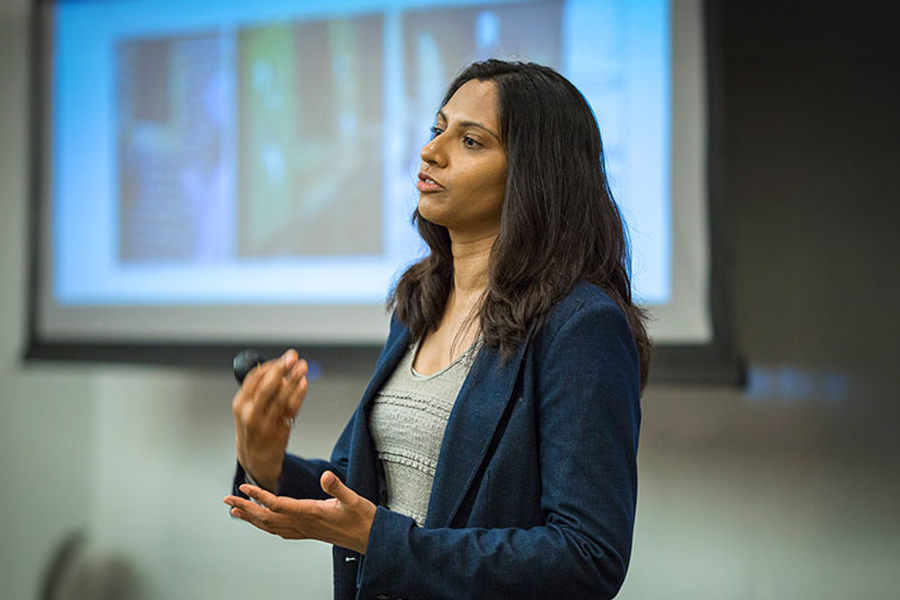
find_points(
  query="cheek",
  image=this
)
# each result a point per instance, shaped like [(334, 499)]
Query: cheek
[(496, 187), (485, 179)]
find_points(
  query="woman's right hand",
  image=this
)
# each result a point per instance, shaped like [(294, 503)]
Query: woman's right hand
[(264, 409)]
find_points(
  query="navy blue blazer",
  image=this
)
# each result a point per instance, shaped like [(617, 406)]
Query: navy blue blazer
[(536, 483)]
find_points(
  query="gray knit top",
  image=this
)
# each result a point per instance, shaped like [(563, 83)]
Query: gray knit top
[(407, 423)]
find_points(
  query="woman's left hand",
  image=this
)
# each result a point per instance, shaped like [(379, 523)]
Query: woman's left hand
[(344, 520)]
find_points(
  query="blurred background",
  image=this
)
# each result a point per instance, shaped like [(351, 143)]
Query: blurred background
[(786, 488)]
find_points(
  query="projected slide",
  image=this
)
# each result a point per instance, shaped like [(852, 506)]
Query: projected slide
[(309, 143), (311, 140), (235, 153), (172, 172)]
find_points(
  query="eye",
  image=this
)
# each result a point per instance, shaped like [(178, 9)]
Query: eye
[(471, 142), (436, 131)]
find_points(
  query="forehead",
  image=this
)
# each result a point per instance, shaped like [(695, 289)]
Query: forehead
[(474, 101)]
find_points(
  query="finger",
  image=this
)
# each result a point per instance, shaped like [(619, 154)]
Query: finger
[(258, 516), (334, 487), (295, 401), (247, 390), (295, 375), (271, 388), (247, 509), (296, 391), (257, 374), (253, 378), (299, 370), (267, 499), (288, 360), (238, 514)]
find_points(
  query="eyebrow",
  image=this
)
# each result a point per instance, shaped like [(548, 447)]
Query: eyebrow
[(470, 124)]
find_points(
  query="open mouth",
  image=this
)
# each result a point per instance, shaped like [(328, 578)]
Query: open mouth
[(427, 184)]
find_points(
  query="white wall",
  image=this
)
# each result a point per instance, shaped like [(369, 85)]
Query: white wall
[(44, 414), (772, 493)]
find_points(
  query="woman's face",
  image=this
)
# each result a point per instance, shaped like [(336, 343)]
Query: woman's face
[(463, 179)]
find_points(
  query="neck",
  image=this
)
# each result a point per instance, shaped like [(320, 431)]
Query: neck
[(470, 268)]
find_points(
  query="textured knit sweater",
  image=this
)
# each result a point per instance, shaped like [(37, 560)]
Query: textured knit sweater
[(407, 423)]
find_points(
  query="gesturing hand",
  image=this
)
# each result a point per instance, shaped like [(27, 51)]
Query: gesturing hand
[(264, 408), (344, 520)]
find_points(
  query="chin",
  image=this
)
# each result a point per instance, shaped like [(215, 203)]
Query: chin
[(431, 215)]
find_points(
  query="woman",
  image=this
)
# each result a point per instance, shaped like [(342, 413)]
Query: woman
[(515, 355)]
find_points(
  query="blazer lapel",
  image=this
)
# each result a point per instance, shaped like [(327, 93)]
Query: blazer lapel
[(473, 420), (394, 349), (362, 475)]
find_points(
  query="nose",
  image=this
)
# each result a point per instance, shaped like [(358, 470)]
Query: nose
[(433, 153)]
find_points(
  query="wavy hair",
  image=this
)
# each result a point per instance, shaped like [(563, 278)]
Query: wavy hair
[(558, 205)]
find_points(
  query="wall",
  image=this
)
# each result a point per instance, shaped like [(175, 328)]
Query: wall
[(44, 413), (785, 490)]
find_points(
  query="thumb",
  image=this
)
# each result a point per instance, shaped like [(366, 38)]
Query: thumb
[(332, 485)]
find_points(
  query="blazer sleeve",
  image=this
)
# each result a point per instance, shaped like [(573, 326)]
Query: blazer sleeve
[(589, 418)]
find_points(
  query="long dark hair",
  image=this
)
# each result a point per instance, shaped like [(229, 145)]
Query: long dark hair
[(558, 205)]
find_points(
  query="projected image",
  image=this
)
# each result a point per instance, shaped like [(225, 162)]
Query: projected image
[(311, 157), (440, 42), (173, 180), (265, 153)]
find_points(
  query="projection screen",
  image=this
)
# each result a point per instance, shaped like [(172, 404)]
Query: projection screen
[(231, 171)]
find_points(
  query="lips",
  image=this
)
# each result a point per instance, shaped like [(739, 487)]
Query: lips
[(427, 183)]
